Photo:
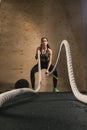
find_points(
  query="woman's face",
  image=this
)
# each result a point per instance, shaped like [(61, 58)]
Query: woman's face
[(44, 42)]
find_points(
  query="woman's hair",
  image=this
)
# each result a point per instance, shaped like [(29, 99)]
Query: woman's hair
[(44, 38), (41, 42)]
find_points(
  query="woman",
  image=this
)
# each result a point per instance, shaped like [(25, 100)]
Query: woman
[(46, 63)]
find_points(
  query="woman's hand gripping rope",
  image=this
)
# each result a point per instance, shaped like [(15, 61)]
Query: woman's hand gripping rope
[(47, 73)]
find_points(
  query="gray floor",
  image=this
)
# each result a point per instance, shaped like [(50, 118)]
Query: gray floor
[(44, 111)]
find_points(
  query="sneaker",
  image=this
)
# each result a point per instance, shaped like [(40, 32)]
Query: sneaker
[(55, 90)]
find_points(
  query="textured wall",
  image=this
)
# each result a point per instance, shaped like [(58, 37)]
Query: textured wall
[(23, 23), (84, 21)]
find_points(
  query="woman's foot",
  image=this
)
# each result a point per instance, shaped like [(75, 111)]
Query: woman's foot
[(55, 90)]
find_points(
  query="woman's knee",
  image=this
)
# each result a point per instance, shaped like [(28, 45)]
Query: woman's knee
[(55, 73), (32, 72)]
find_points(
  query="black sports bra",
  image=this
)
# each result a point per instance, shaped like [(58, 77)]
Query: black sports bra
[(44, 57)]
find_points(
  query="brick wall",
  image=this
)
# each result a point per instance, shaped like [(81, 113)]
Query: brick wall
[(23, 23)]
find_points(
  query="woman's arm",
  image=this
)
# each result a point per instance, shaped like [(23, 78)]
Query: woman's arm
[(36, 55), (50, 60)]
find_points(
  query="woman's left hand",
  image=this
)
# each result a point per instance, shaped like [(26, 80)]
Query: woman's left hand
[(47, 72)]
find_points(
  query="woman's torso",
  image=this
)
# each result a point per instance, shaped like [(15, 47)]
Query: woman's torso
[(44, 55)]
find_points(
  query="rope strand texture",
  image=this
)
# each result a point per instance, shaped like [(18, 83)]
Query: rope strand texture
[(81, 97)]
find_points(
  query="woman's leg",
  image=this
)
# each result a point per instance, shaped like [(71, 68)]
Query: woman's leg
[(32, 75), (55, 74), (34, 70)]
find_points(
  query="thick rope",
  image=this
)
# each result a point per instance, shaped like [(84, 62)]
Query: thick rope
[(6, 96), (77, 94)]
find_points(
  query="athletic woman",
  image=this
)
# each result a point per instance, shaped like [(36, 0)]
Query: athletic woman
[(46, 63)]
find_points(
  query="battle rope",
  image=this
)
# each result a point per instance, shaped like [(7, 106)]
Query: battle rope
[(4, 97), (77, 94)]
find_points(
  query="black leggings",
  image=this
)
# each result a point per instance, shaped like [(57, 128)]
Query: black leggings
[(44, 65)]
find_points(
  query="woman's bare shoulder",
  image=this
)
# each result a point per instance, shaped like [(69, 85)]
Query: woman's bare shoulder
[(38, 48), (50, 51)]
